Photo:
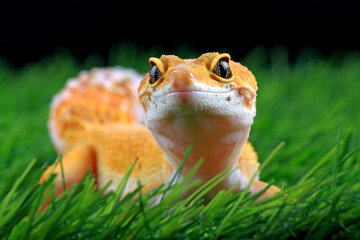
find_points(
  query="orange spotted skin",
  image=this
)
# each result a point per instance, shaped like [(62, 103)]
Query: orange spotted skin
[(124, 144), (96, 123), (195, 68), (97, 126)]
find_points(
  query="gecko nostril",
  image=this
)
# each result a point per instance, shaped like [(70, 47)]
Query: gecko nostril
[(182, 82)]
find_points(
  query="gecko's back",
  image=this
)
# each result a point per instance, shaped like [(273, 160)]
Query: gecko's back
[(100, 96), (95, 122)]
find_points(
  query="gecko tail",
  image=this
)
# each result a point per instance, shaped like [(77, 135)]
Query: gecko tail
[(96, 97)]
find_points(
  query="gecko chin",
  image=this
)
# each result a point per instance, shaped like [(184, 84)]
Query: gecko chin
[(198, 107)]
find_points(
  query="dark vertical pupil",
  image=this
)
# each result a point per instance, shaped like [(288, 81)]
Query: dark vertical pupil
[(155, 74), (222, 69)]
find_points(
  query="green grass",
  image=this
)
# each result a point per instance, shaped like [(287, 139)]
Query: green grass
[(312, 104)]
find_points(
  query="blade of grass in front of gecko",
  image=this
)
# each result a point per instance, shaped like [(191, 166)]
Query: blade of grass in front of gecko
[(177, 174), (120, 189), (244, 193)]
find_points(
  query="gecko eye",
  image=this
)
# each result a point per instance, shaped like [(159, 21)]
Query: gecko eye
[(155, 74), (222, 69)]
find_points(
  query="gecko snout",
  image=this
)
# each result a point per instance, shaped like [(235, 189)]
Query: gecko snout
[(182, 80)]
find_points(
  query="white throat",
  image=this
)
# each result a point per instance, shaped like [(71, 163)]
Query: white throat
[(216, 124)]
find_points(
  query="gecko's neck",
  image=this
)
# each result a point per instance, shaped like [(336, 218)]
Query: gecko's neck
[(216, 139)]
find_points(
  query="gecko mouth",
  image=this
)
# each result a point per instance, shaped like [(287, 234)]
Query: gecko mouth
[(188, 92), (241, 91), (245, 94), (195, 91), (189, 95), (189, 102)]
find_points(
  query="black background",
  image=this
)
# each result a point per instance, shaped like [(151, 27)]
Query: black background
[(33, 29)]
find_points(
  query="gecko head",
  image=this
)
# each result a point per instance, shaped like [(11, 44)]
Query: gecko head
[(208, 103), (211, 85)]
